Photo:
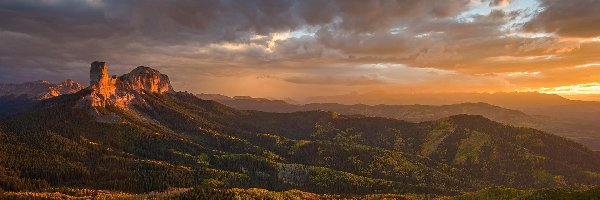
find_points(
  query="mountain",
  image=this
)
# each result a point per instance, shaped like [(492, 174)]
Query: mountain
[(583, 131), (124, 90), (135, 134), (15, 98), (251, 103), (39, 89), (511, 100), (532, 103)]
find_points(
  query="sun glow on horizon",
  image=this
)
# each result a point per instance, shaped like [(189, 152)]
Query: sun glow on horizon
[(577, 89), (305, 49)]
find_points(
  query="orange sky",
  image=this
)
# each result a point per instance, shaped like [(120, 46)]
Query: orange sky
[(300, 49)]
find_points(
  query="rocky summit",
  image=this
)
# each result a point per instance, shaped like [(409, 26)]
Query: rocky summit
[(40, 90), (141, 138), (123, 90)]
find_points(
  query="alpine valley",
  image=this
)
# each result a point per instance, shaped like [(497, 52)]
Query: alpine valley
[(134, 136)]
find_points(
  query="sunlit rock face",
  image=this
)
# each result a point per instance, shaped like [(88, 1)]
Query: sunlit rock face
[(147, 79), (122, 91), (40, 90), (103, 87), (98, 72)]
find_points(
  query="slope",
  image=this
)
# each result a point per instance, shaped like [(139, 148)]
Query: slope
[(135, 134), (577, 129)]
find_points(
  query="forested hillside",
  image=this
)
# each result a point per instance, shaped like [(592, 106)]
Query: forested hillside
[(584, 131), (178, 140)]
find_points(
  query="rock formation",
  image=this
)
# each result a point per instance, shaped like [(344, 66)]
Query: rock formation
[(98, 72), (123, 90), (147, 79), (40, 90), (68, 86)]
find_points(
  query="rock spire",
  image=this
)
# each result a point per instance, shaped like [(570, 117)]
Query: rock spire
[(123, 90)]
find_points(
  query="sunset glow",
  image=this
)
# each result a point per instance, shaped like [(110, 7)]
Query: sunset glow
[(300, 99), (301, 49), (578, 89)]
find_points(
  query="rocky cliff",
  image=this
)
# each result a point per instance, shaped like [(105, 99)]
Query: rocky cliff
[(39, 90), (123, 90)]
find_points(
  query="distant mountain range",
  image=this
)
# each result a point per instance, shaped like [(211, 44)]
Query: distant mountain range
[(40, 89), (532, 103), (512, 100), (135, 134), (15, 98), (586, 132)]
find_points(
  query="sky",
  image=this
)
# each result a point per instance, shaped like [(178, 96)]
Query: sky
[(303, 48)]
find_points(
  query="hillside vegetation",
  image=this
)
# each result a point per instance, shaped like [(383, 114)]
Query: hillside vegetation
[(578, 127), (179, 141)]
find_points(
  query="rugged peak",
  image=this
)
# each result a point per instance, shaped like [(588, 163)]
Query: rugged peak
[(148, 79), (40, 82), (123, 90), (69, 86), (69, 82), (40, 89), (144, 70), (98, 72)]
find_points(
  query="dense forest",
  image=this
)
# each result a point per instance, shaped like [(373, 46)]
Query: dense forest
[(180, 141)]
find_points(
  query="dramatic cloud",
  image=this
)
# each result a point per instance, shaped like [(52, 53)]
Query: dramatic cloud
[(305, 47), (568, 18)]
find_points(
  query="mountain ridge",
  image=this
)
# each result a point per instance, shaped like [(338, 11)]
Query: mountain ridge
[(16, 98), (581, 131), (513, 100), (40, 89), (174, 139)]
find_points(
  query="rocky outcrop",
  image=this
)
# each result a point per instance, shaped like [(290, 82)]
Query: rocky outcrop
[(40, 90), (124, 90), (146, 79), (68, 86), (98, 72)]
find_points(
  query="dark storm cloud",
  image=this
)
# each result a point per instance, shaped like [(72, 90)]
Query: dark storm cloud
[(568, 18), (51, 34), (294, 39), (441, 43), (205, 21)]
